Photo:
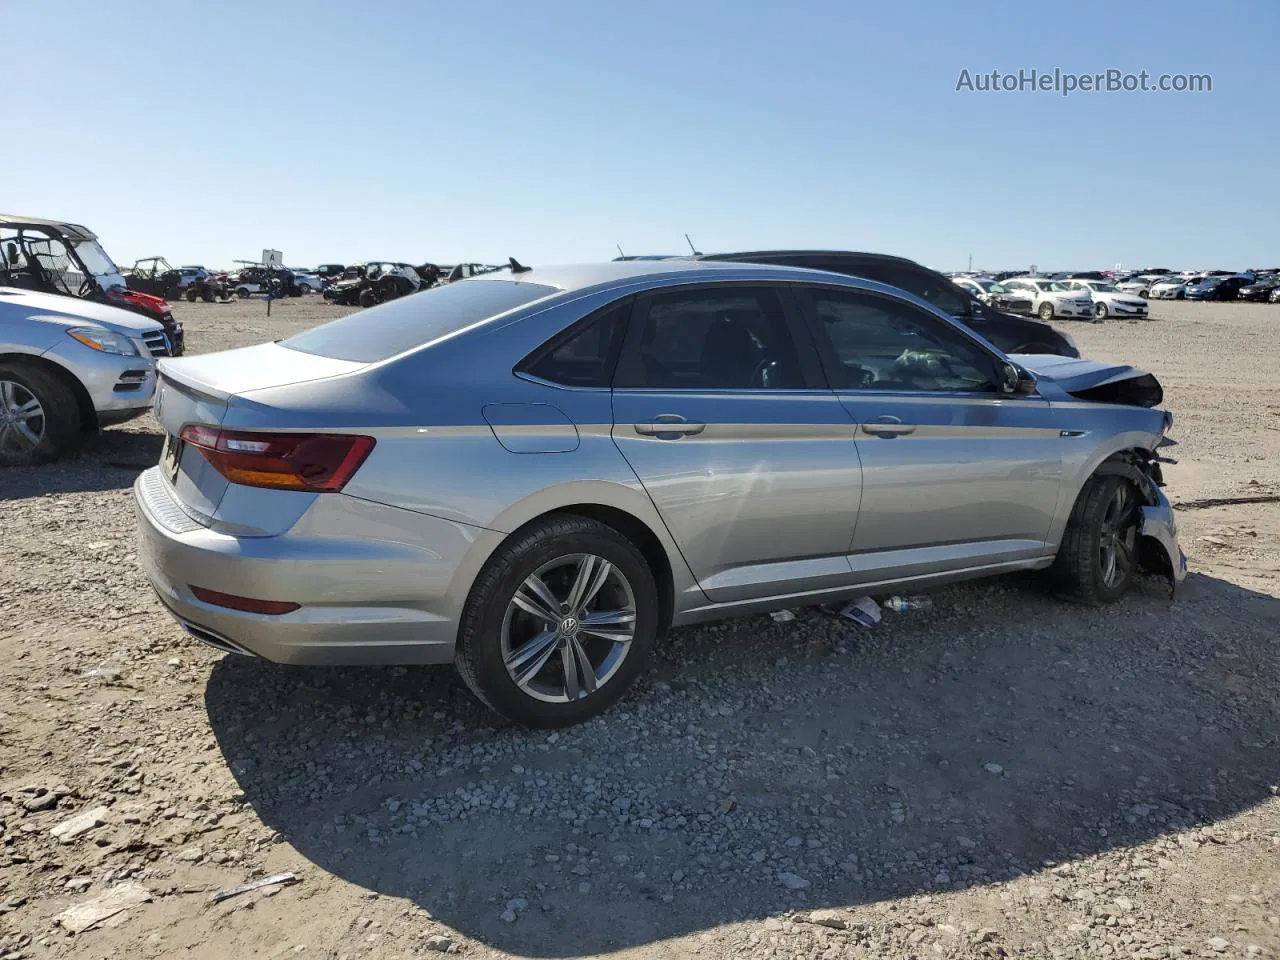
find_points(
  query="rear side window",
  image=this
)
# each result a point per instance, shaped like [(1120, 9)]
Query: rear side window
[(392, 328), (734, 338), (585, 355)]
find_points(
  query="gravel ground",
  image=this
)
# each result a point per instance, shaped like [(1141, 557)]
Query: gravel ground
[(1001, 775)]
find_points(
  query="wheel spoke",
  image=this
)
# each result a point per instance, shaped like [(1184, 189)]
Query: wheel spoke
[(29, 409), (592, 573), (570, 664), (584, 664), (536, 599), (26, 433), (7, 392), (1108, 564), (532, 657), (618, 626)]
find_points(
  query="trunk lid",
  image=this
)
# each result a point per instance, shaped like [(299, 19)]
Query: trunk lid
[(199, 390)]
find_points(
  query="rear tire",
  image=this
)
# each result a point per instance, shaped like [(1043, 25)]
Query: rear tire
[(39, 418), (1046, 311), (1098, 557), (487, 640)]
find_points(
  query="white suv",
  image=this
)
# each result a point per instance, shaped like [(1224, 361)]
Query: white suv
[(1051, 299), (69, 367)]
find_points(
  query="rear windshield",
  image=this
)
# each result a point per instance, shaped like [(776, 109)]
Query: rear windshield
[(391, 328)]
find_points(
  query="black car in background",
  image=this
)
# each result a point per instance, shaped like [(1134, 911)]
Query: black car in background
[(1010, 333), (1261, 289)]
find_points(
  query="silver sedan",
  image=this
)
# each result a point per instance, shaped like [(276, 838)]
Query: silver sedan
[(534, 473)]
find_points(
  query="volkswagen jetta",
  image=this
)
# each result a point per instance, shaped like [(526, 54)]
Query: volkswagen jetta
[(536, 472)]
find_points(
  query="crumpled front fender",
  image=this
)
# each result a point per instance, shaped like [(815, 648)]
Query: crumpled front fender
[(1159, 528)]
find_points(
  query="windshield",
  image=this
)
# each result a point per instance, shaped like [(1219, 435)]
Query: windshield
[(95, 259), (992, 287), (1100, 287), (1053, 286), (416, 320)]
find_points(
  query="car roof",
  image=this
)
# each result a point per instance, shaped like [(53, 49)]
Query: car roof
[(570, 277), (72, 230), (783, 255)]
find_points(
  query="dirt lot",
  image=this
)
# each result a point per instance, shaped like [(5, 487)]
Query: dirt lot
[(1002, 775)]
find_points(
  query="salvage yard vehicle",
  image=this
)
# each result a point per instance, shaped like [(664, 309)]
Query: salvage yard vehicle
[(1172, 288), (66, 259), (1108, 301), (1217, 287), (1051, 299), (1260, 289), (260, 278), (68, 367), (994, 294), (609, 450), (1012, 334), (372, 283)]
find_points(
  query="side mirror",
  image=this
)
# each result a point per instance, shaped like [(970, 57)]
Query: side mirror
[(1016, 381)]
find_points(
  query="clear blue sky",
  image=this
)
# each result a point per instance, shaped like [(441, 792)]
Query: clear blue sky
[(552, 130)]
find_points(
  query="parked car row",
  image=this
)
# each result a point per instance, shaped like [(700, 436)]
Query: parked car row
[(1260, 284)]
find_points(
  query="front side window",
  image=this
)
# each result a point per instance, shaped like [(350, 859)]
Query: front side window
[(730, 338), (885, 344)]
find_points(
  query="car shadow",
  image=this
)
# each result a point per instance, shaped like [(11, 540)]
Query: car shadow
[(109, 460), (767, 766)]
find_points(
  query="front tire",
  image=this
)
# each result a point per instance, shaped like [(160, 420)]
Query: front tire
[(242, 293), (304, 288), (1099, 311), (39, 419), (1098, 557), (191, 295), (560, 622), (1046, 311)]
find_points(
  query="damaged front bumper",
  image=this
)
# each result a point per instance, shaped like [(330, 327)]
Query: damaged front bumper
[(1159, 528)]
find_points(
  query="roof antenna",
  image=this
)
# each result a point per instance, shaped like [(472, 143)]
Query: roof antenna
[(620, 253), (516, 266), (696, 252)]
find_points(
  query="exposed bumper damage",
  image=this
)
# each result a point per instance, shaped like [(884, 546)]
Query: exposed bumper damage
[(1158, 550), (1159, 532)]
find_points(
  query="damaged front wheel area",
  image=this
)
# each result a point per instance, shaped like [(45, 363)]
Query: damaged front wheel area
[(1121, 526), (1098, 558)]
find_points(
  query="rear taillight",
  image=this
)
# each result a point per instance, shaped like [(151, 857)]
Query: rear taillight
[(316, 462)]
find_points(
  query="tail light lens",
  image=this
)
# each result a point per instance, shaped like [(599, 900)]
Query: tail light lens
[(272, 608), (315, 462)]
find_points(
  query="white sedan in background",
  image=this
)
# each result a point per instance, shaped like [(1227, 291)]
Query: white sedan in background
[(1110, 302), (1172, 288), (1051, 299)]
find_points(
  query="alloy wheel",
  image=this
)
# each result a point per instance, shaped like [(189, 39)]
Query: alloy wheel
[(568, 628), (22, 418), (1118, 540)]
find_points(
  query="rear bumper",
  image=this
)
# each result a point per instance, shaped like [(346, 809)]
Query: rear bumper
[(376, 585)]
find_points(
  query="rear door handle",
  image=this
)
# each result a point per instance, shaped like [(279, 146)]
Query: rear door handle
[(669, 426), (888, 427)]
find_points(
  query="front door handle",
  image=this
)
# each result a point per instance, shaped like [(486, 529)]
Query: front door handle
[(669, 426), (888, 427)]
